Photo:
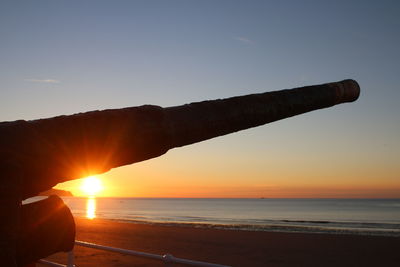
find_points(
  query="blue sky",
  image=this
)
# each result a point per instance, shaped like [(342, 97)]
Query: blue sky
[(63, 57)]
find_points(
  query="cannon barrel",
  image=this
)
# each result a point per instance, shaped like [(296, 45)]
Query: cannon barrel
[(54, 150)]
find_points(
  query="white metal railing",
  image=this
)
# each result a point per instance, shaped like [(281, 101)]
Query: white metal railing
[(168, 259), (70, 261)]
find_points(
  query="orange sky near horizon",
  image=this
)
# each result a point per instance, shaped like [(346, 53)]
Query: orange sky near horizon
[(207, 170), (166, 190)]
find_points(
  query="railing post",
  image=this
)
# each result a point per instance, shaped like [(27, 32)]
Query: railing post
[(71, 259)]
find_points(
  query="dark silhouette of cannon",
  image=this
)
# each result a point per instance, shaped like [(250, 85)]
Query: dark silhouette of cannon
[(36, 155)]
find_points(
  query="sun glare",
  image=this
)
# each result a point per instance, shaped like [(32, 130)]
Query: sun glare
[(91, 185)]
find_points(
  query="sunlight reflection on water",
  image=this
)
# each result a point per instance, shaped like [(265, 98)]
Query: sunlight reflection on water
[(91, 208)]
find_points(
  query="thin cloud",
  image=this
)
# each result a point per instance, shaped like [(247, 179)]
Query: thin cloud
[(244, 40), (42, 80)]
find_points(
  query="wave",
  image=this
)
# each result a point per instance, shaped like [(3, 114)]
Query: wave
[(297, 226), (274, 228)]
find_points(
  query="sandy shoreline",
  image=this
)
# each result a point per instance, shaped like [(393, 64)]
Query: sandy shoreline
[(230, 247)]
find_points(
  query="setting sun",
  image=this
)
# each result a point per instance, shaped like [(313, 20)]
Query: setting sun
[(91, 185)]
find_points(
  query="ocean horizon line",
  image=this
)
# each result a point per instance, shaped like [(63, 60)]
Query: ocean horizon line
[(266, 198)]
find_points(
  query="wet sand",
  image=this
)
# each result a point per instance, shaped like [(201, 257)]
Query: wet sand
[(230, 247)]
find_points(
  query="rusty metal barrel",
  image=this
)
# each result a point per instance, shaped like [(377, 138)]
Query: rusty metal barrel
[(54, 150)]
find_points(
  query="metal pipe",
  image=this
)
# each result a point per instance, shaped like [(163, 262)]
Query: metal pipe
[(50, 263), (165, 258)]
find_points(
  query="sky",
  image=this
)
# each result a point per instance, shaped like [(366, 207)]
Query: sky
[(64, 57)]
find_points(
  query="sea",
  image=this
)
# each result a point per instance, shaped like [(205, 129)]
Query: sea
[(334, 216)]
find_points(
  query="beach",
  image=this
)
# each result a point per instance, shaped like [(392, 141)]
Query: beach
[(229, 247)]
